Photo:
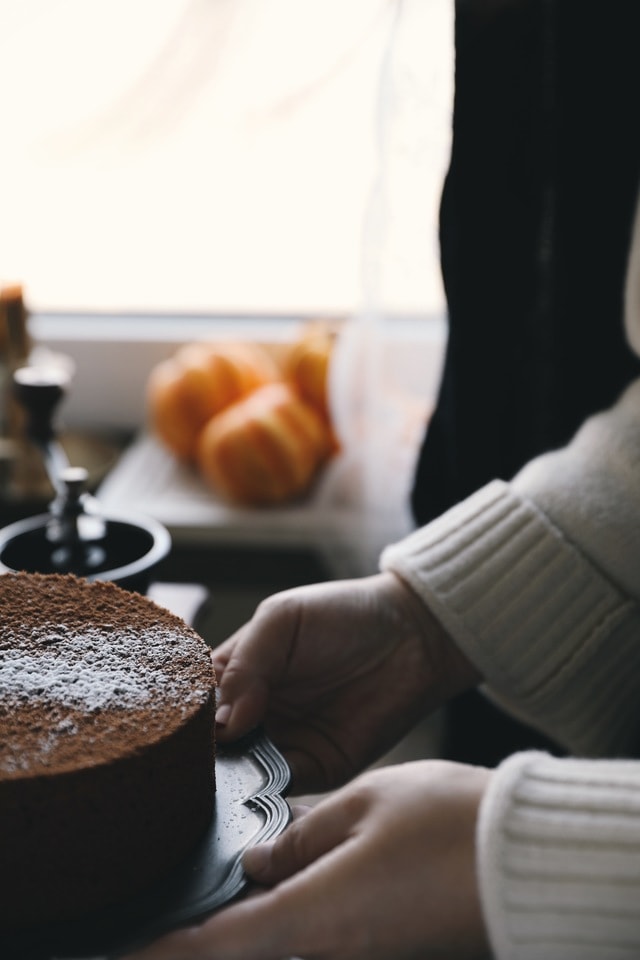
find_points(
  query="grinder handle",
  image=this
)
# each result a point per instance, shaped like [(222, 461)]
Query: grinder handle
[(39, 390)]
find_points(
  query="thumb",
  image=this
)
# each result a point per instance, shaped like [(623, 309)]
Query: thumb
[(247, 666), (308, 837), (238, 714)]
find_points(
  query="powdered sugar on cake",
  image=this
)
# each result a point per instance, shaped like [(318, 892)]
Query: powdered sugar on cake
[(73, 683), (81, 670)]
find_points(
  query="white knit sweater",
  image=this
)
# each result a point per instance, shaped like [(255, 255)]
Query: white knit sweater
[(538, 581)]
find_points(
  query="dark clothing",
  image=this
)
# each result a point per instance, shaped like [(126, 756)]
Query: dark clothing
[(535, 226)]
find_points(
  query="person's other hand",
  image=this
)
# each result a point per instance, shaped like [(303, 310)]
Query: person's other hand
[(384, 869), (337, 672)]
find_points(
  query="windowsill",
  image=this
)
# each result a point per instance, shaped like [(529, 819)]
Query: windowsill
[(114, 353)]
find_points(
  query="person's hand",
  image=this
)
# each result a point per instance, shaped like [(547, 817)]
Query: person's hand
[(338, 672), (384, 869)]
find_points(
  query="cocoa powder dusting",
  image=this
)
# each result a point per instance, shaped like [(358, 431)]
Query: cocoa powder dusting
[(88, 671)]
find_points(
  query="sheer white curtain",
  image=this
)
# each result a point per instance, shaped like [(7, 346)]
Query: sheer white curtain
[(383, 384), (197, 155)]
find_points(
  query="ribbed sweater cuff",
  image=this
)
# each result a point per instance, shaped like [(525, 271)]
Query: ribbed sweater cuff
[(558, 845), (532, 614)]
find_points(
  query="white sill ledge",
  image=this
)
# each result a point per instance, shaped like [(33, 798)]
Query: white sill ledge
[(114, 354)]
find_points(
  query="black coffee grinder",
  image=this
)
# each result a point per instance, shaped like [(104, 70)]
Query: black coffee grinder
[(75, 535)]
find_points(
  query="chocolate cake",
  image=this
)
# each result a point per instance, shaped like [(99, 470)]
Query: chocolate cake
[(106, 745)]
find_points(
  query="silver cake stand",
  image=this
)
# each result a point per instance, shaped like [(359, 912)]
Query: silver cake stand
[(251, 778)]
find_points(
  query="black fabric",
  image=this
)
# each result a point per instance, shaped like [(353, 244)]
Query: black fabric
[(535, 228)]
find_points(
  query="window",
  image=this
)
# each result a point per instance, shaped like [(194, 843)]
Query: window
[(203, 156)]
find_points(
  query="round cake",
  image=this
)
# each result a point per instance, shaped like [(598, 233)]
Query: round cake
[(107, 726)]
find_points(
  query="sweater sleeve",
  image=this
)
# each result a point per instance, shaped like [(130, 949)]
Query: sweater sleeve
[(537, 580), (559, 859), (556, 639)]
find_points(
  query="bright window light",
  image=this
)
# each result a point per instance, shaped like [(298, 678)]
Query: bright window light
[(221, 155)]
